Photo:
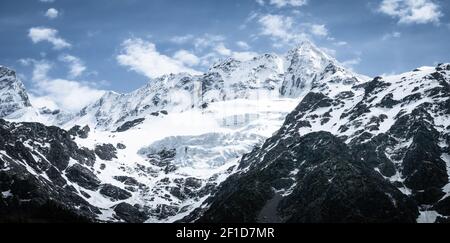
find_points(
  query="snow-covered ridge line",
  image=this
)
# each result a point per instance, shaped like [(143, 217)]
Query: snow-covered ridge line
[(268, 76)]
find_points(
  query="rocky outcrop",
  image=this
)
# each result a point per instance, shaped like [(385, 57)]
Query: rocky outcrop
[(77, 131), (83, 177), (130, 124), (106, 152), (129, 213), (115, 193)]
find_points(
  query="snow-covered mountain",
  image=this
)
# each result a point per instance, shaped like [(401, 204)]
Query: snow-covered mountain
[(372, 152), (182, 147), (267, 76), (13, 96)]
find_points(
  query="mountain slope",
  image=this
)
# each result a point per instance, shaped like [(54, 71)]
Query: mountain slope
[(313, 179), (35, 167), (386, 133)]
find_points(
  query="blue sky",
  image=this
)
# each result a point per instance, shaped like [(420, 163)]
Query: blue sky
[(67, 49)]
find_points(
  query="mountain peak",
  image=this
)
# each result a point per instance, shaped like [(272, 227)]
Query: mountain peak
[(308, 66), (307, 50), (13, 95)]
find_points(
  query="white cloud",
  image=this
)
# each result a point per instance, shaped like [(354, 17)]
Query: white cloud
[(276, 26), (350, 64), (39, 34), (52, 13), (341, 43), (207, 41), (222, 50), (412, 11), (70, 95), (284, 3), (392, 35), (26, 61), (260, 2), (282, 29), (285, 30), (187, 58), (64, 94), (243, 45), (181, 39), (319, 30), (142, 57), (46, 1), (76, 66), (40, 71)]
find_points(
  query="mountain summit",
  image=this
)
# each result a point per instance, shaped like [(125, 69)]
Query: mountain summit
[(13, 95), (265, 77)]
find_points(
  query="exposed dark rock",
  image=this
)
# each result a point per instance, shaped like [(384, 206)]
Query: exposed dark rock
[(121, 146), (429, 196), (443, 67), (345, 95), (114, 192), (167, 154), (304, 124), (414, 97), (170, 169), (58, 155), (130, 124), (388, 101), (443, 206), (55, 175), (106, 152), (313, 101), (176, 192), (14, 211), (129, 181), (85, 156), (77, 131), (193, 183), (163, 211), (442, 220), (83, 177), (129, 213)]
